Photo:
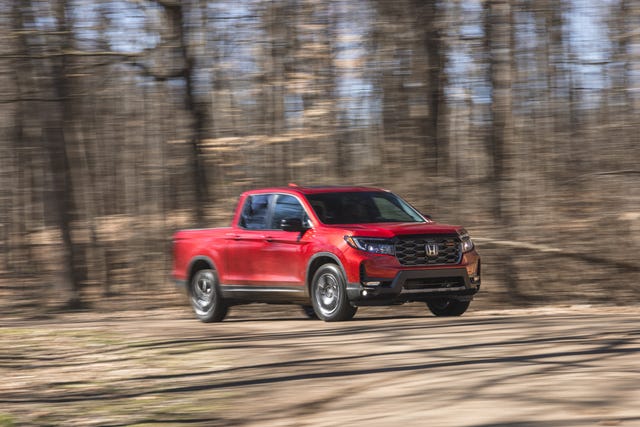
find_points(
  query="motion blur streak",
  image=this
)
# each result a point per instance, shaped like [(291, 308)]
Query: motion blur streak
[(122, 121)]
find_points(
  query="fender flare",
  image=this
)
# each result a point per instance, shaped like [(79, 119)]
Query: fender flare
[(195, 260), (334, 258)]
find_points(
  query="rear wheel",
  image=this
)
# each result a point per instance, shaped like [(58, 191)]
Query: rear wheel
[(205, 297), (447, 306), (329, 295)]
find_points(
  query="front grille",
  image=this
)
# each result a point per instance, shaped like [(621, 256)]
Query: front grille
[(412, 250)]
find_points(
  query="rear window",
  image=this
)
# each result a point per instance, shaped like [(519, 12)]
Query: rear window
[(254, 212)]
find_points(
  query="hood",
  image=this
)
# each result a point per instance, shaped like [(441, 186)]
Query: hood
[(389, 230)]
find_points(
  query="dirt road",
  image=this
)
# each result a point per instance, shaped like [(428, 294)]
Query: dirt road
[(268, 366)]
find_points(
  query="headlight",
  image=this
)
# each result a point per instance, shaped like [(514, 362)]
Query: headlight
[(376, 246), (465, 240)]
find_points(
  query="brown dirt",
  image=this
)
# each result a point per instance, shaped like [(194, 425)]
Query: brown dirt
[(268, 366)]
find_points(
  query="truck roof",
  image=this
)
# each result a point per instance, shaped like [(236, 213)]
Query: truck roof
[(315, 189)]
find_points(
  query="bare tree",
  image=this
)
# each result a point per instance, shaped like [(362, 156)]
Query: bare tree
[(178, 35), (500, 47)]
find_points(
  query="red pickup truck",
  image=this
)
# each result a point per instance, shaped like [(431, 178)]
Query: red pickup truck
[(329, 250)]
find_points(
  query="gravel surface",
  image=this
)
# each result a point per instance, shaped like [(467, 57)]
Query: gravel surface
[(269, 366)]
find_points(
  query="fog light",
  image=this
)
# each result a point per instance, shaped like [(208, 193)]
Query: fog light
[(364, 293)]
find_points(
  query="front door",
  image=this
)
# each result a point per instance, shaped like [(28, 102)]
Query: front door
[(284, 256)]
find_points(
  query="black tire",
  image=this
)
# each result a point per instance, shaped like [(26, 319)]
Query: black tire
[(309, 312), (329, 295), (447, 306), (205, 297)]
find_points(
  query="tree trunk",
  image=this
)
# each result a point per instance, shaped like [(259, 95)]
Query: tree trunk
[(500, 49), (436, 80), (58, 145), (196, 109)]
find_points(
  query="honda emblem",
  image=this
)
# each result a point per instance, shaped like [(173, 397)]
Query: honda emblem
[(431, 249)]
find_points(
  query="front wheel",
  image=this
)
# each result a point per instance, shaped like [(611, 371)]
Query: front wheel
[(447, 306), (329, 295), (205, 297)]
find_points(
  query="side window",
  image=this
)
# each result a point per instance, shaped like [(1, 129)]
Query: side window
[(254, 212), (287, 207)]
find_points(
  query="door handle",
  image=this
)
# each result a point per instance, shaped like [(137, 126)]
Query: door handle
[(268, 239)]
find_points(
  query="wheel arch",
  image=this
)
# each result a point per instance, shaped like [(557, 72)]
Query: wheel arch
[(200, 262), (318, 260)]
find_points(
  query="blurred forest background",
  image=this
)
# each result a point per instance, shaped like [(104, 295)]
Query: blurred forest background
[(124, 120)]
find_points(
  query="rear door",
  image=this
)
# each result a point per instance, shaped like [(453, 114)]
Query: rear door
[(246, 243)]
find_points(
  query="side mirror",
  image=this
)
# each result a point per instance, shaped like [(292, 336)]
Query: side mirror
[(292, 224)]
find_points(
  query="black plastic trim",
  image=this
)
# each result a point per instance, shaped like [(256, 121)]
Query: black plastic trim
[(200, 258), (244, 294), (392, 292), (307, 277)]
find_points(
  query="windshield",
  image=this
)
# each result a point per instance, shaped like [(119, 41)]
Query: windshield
[(362, 207)]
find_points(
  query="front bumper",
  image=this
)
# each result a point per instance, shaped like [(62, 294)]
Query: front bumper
[(417, 285)]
